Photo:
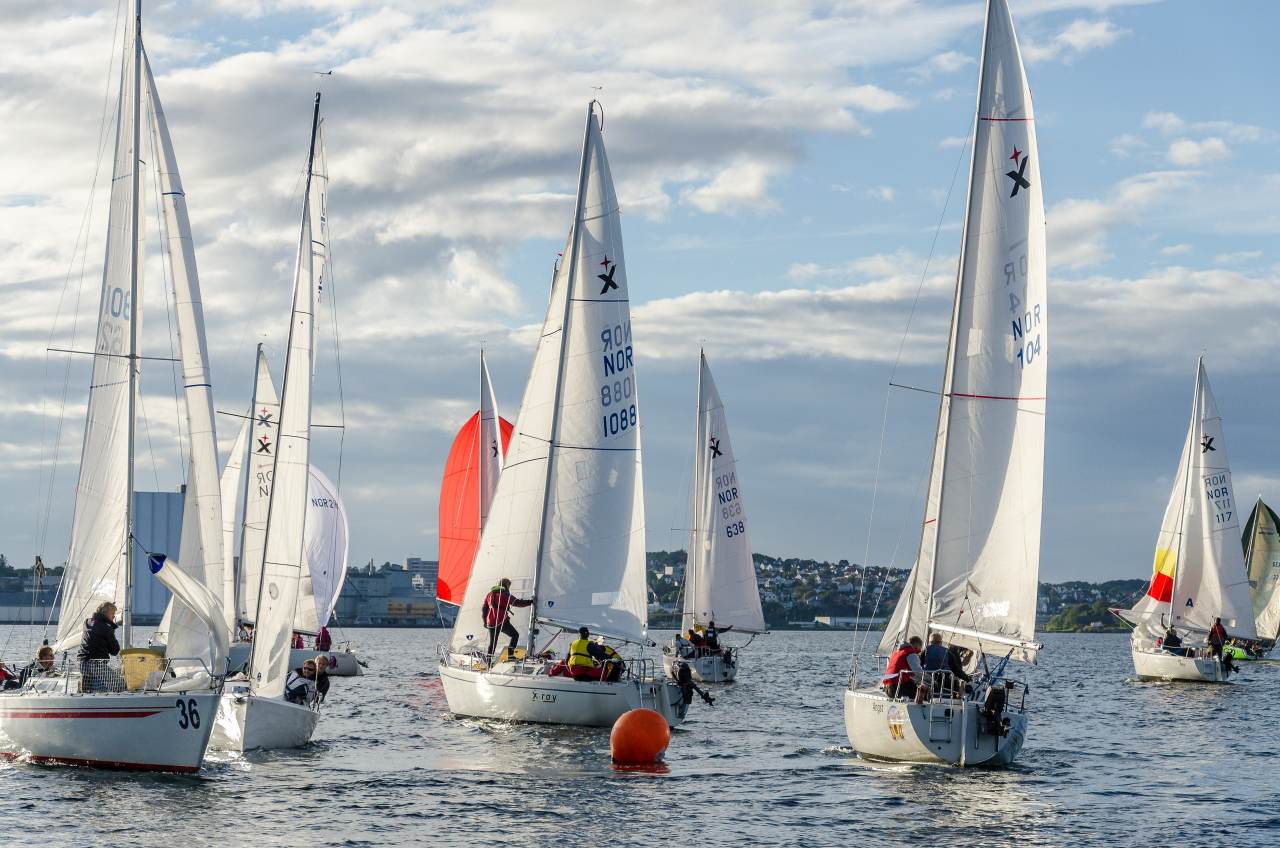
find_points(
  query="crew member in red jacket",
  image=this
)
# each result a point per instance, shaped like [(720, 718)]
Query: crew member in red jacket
[(497, 613)]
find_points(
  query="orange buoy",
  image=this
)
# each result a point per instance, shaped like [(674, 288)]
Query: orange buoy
[(639, 737)]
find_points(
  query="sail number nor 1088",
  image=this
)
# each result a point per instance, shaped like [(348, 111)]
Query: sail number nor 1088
[(617, 393)]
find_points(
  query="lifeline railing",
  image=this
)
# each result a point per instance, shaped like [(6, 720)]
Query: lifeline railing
[(99, 676), (942, 685)]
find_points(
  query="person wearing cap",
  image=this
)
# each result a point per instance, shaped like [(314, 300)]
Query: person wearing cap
[(497, 613)]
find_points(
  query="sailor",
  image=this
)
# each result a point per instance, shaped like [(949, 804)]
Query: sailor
[(712, 636), (684, 648), (1173, 643), (696, 640), (935, 656), (497, 613), (582, 665), (609, 659), (1217, 638), (42, 666), (323, 640), (903, 670), (300, 685), (322, 677), (98, 646)]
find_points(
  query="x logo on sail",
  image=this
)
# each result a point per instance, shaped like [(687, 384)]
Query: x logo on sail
[(609, 282), (1206, 444), (493, 446), (264, 445), (1019, 181), (715, 447), (264, 418)]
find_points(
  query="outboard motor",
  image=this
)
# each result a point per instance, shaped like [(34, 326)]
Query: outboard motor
[(994, 722)]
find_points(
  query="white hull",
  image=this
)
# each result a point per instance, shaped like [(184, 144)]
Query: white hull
[(249, 723), (512, 695), (947, 731), (146, 732), (341, 663), (1162, 665), (710, 669)]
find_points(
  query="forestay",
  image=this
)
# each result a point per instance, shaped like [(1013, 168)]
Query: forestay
[(1198, 572), (99, 552), (720, 581), (1262, 555), (567, 520), (979, 555), (286, 513), (326, 555)]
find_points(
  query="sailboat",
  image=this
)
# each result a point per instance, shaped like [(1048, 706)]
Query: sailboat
[(975, 575), (720, 576), (255, 712), (566, 525), (471, 475), (1198, 573), (157, 714), (246, 488), (1262, 563)]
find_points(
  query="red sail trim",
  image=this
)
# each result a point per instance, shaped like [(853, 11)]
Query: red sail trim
[(460, 509)]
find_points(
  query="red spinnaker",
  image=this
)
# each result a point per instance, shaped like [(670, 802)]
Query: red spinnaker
[(460, 509)]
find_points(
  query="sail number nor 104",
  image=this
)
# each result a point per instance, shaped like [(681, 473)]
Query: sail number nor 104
[(1026, 318), (617, 393)]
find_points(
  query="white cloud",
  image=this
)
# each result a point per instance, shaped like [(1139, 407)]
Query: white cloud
[(881, 193), (1080, 36), (741, 186), (1238, 257), (1168, 123), (1078, 229), (1175, 250), (1190, 153), (1126, 144), (954, 141)]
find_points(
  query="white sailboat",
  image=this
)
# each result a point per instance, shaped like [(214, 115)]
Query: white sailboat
[(1262, 563), (1198, 573), (566, 525), (255, 712), (246, 487), (720, 576), (470, 480), (90, 713), (975, 576)]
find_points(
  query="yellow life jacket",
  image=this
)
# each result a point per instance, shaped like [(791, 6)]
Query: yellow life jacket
[(580, 656)]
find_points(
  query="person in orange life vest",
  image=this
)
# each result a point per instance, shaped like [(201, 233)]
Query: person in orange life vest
[(582, 665), (497, 613), (903, 673)]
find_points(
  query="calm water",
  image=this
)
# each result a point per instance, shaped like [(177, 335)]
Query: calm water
[(1108, 762)]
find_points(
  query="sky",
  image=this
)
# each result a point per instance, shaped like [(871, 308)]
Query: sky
[(791, 178)]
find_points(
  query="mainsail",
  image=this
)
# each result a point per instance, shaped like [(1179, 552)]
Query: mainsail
[(720, 576), (231, 486), (98, 560), (976, 574), (1198, 573), (1262, 559), (471, 475), (567, 521), (286, 513)]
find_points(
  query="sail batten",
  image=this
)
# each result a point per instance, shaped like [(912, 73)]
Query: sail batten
[(978, 562)]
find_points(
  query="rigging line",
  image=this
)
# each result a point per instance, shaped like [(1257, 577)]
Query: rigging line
[(82, 237), (109, 355), (897, 359), (166, 276), (151, 451), (333, 306)]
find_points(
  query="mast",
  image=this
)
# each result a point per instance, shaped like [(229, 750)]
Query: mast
[(696, 496), (574, 243), (135, 214), (275, 464), (244, 499)]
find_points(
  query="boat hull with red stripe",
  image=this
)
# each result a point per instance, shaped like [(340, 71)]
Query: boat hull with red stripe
[(166, 732)]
